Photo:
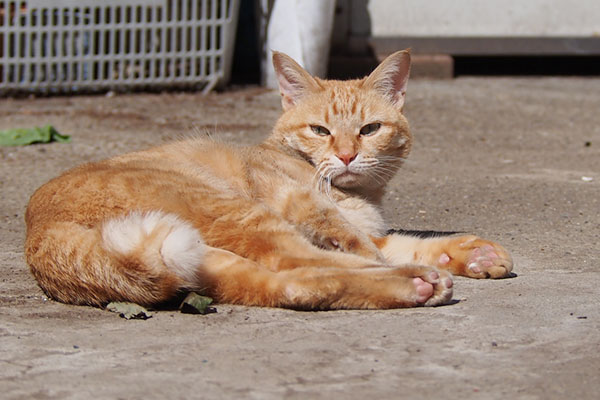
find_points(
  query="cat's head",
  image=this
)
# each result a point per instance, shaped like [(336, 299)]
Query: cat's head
[(353, 131)]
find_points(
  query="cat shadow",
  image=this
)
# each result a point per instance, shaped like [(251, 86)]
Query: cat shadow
[(422, 234), (450, 303)]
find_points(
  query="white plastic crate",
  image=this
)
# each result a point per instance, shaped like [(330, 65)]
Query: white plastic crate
[(54, 46)]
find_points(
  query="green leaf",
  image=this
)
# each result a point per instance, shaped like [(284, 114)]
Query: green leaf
[(128, 310), (24, 136), (196, 304)]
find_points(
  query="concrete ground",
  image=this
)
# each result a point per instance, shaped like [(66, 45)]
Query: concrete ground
[(512, 160)]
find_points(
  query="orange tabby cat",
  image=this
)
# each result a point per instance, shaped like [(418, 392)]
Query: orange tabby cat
[(293, 222)]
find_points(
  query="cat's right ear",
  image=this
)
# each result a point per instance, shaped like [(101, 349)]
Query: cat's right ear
[(294, 81)]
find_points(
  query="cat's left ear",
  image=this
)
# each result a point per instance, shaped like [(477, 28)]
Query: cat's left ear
[(294, 81), (390, 78)]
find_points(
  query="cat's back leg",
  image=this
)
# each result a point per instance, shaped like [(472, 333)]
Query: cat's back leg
[(140, 257), (234, 279), (465, 255)]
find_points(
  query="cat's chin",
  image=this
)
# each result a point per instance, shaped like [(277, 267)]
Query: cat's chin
[(347, 180)]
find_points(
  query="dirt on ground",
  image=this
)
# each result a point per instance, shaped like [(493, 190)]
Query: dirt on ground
[(512, 160)]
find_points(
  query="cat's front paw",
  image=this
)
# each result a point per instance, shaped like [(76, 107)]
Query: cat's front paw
[(356, 245), (362, 247), (476, 258)]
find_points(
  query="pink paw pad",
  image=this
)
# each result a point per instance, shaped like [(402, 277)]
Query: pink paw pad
[(424, 290), (482, 257), (475, 268), (444, 259)]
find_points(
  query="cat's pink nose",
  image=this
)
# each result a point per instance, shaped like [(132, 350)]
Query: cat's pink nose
[(346, 158)]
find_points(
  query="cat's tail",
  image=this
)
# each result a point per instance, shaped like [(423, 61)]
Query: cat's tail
[(144, 258)]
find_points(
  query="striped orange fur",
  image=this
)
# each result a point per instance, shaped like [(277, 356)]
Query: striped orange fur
[(293, 222)]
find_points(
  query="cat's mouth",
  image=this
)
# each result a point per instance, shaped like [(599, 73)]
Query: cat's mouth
[(343, 176)]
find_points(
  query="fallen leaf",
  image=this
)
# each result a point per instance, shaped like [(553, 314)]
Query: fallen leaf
[(128, 310), (20, 137), (196, 304)]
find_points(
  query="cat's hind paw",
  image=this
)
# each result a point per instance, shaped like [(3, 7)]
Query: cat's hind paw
[(476, 258)]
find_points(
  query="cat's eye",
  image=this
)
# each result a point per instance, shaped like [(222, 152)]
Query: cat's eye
[(370, 129), (319, 130)]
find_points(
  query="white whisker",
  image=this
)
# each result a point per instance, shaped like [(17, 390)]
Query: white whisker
[(383, 173), (328, 187), (391, 170), (323, 178), (373, 175)]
